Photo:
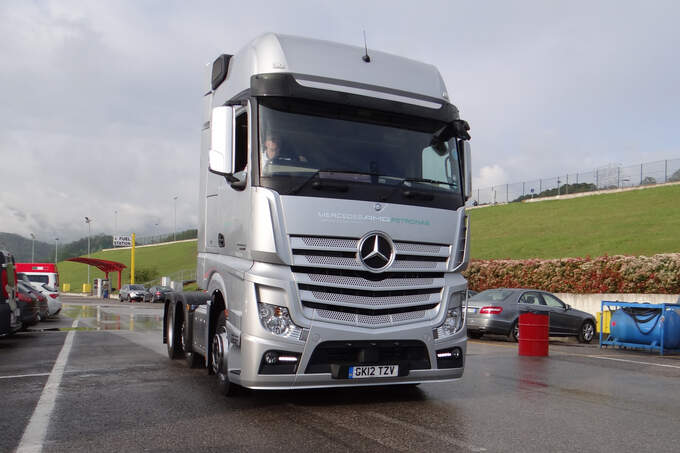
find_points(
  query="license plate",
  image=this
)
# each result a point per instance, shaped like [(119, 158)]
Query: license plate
[(373, 371), (471, 310)]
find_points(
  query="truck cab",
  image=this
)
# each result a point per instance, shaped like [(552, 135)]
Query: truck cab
[(332, 231)]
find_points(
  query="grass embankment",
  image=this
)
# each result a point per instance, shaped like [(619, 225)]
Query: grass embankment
[(639, 222), (162, 259)]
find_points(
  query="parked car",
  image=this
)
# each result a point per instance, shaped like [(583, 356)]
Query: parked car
[(29, 305), (159, 293), (42, 299), (53, 300), (496, 311), (134, 292), (10, 314)]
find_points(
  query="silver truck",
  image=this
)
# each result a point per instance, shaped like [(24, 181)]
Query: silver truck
[(332, 231)]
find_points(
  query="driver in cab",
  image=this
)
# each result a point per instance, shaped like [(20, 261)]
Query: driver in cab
[(272, 148)]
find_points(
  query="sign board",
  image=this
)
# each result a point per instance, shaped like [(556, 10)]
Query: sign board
[(122, 241)]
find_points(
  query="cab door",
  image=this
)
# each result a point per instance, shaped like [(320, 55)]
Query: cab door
[(561, 321)]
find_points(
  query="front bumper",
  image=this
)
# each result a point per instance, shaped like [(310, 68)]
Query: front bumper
[(253, 348)]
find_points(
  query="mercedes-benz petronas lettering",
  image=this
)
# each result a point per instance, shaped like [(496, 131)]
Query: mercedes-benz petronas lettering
[(332, 225)]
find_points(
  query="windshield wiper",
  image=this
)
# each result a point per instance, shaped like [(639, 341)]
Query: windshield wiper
[(427, 181), (320, 185)]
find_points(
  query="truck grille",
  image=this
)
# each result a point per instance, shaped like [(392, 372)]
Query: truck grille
[(335, 287)]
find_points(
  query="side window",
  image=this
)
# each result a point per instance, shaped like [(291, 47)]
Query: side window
[(531, 299), (241, 142), (437, 167), (552, 301)]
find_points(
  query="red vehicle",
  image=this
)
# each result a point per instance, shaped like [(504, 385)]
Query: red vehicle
[(40, 273), (9, 311)]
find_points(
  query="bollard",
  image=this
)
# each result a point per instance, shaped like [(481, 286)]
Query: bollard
[(534, 330)]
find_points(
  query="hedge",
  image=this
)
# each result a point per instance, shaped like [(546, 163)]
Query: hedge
[(658, 274)]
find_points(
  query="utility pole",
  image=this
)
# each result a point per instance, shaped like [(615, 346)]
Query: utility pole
[(89, 232), (32, 248), (174, 231), (56, 250)]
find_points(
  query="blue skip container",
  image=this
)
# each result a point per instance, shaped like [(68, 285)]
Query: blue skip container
[(645, 326)]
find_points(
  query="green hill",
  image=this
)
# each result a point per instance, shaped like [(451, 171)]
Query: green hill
[(151, 262), (638, 222)]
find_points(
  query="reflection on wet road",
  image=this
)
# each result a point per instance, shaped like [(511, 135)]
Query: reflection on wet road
[(121, 393), (114, 317)]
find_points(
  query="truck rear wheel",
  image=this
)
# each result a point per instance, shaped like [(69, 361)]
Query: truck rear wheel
[(218, 357), (174, 342)]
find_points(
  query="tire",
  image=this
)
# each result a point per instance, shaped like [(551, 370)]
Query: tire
[(587, 332), (475, 335), (513, 335), (129, 299), (217, 350), (174, 343)]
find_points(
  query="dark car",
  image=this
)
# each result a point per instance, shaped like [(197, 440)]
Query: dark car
[(496, 311), (29, 305), (159, 293), (134, 293), (10, 321), (42, 299)]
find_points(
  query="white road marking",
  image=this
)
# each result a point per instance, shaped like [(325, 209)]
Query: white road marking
[(633, 361), (428, 432), (18, 376), (34, 435)]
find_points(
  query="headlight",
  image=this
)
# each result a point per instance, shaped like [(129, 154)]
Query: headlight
[(454, 320), (276, 320)]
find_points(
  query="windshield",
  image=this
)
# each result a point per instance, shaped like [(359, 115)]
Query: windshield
[(137, 287), (326, 150), (495, 295), (38, 278)]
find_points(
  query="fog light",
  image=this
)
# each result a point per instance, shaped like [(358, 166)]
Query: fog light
[(271, 358), (443, 355), (288, 358), (456, 353)]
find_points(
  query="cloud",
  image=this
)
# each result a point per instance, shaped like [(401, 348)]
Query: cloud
[(101, 102)]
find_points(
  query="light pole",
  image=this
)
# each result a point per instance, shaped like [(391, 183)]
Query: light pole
[(174, 231), (32, 248), (89, 231), (115, 223), (56, 250)]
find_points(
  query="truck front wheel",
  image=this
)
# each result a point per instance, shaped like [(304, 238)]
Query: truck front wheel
[(218, 357)]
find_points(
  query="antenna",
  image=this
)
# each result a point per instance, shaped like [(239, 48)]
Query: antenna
[(366, 58)]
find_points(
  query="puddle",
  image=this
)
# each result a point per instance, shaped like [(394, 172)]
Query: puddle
[(97, 317)]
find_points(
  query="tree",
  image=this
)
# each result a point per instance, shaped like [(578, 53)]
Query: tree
[(648, 181)]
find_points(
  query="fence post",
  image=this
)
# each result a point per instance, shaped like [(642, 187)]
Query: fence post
[(641, 174), (618, 177), (665, 171), (540, 185), (566, 188), (478, 201), (523, 188), (576, 178), (597, 179), (507, 199)]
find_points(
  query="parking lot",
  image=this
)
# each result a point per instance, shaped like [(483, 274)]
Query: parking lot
[(99, 379)]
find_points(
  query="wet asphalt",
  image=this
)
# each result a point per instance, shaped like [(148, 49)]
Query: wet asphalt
[(119, 392)]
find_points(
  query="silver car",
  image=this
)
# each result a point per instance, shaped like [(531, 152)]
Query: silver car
[(496, 311), (131, 293)]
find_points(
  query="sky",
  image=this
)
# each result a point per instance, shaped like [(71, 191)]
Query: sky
[(100, 111)]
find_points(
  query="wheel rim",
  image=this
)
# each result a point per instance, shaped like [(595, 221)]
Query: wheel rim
[(218, 351), (515, 331), (181, 337), (588, 331)]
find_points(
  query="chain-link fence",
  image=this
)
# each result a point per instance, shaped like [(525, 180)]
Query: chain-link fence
[(610, 177), (183, 276)]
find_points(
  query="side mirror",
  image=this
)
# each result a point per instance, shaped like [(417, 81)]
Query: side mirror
[(567, 307), (221, 140), (466, 154)]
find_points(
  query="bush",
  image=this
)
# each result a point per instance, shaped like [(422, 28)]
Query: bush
[(145, 274), (658, 274)]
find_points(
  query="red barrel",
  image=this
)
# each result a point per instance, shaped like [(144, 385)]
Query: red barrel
[(534, 330)]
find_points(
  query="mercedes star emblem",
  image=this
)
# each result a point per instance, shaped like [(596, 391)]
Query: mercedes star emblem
[(376, 251)]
